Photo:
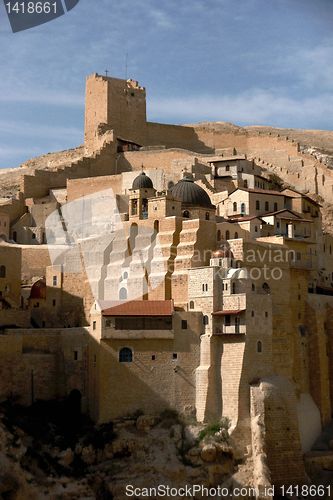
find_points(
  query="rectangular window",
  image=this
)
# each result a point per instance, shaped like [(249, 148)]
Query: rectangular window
[(94, 325), (55, 281), (54, 302), (227, 320), (175, 355), (76, 355), (184, 324)]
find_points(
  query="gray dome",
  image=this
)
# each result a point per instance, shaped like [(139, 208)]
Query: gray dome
[(142, 181), (190, 193)]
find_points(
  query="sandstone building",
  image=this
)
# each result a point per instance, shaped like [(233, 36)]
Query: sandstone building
[(174, 267)]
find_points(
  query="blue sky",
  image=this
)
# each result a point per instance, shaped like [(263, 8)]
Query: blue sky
[(267, 62)]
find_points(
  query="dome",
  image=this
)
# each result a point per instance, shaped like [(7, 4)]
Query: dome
[(190, 193), (142, 181), (222, 252), (38, 290)]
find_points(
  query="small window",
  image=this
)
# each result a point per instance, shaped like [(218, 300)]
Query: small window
[(266, 314), (175, 355), (252, 314), (207, 215), (76, 355), (54, 302), (125, 355), (2, 271), (259, 346), (184, 324), (218, 235), (253, 287), (186, 214), (227, 320), (55, 280), (275, 207), (125, 276), (191, 304), (33, 236), (236, 235), (227, 235), (266, 206), (235, 206), (227, 168), (245, 183), (205, 320), (153, 357), (257, 205), (94, 325), (243, 209), (255, 229)]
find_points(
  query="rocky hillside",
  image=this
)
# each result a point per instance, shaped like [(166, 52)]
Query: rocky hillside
[(10, 177), (45, 454)]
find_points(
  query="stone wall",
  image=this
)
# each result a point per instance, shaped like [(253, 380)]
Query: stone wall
[(43, 364), (147, 384)]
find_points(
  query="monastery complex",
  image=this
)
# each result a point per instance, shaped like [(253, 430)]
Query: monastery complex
[(174, 267)]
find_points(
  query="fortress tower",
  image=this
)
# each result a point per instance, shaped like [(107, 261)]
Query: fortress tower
[(114, 104)]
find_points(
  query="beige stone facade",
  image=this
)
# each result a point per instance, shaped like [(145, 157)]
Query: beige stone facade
[(225, 279)]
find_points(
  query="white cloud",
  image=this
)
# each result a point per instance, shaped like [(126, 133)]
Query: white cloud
[(257, 106), (36, 130)]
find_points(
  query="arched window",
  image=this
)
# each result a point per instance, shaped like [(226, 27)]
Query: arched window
[(122, 294), (266, 288), (191, 304), (186, 214), (125, 355), (227, 235), (205, 320), (2, 271), (207, 215), (243, 208), (236, 235), (125, 275), (235, 206), (259, 346), (219, 235)]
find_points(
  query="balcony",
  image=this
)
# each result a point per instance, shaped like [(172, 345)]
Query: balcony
[(113, 334), (230, 330), (301, 264)]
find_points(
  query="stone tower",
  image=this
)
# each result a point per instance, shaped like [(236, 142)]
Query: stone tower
[(117, 105)]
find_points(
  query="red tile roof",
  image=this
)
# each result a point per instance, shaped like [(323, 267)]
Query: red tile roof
[(140, 308), (226, 312)]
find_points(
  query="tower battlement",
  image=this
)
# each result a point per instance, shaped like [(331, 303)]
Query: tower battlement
[(114, 104)]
